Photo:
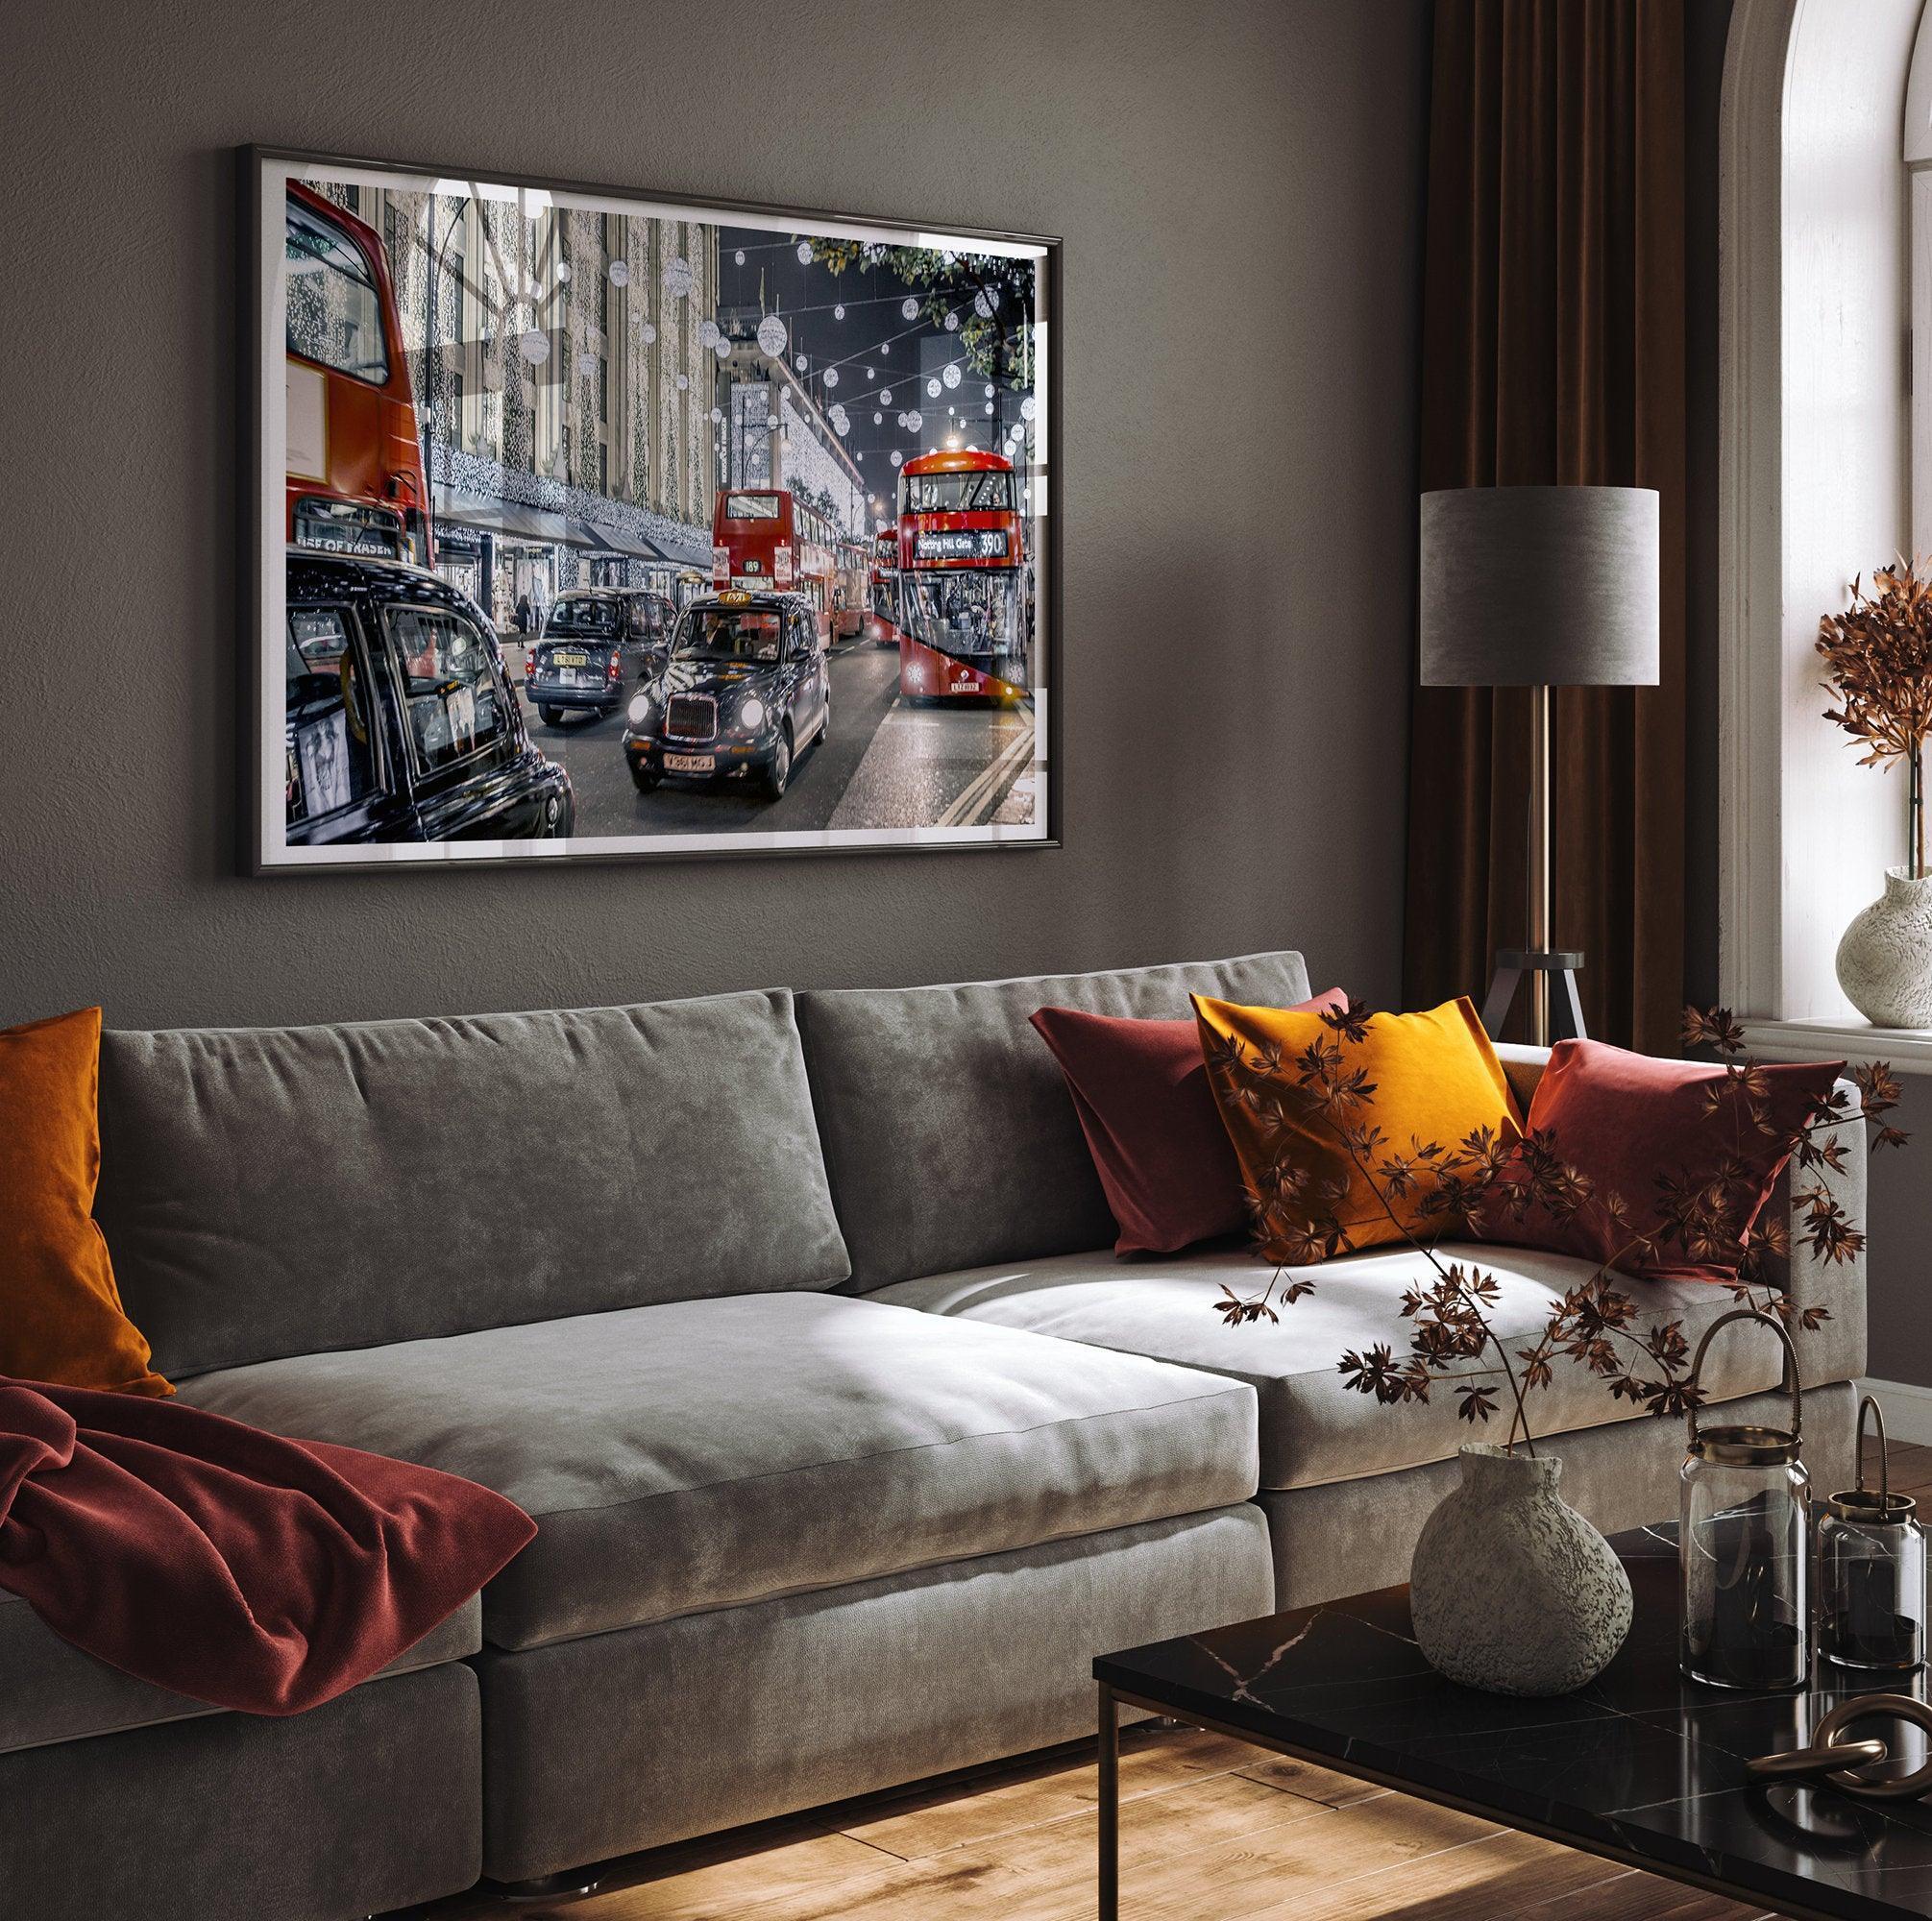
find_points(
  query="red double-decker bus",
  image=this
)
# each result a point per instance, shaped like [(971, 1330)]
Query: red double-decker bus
[(961, 578), (356, 483), (882, 589), (762, 538)]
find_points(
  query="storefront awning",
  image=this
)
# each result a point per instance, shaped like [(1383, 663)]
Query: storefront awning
[(517, 521), (499, 516), (613, 540), (681, 553)]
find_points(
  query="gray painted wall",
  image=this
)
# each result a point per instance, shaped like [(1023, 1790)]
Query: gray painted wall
[(1239, 189)]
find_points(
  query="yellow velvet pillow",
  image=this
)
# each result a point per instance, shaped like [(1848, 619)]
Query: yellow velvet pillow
[(60, 1317), (1430, 1079)]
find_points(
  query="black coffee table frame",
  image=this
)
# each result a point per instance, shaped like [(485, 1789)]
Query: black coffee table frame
[(1641, 1768), (1113, 1699)]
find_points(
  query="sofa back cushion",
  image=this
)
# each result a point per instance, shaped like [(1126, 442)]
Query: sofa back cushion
[(280, 1191), (949, 1134)]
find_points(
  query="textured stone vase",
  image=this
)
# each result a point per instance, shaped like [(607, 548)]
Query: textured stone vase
[(1885, 959), (1511, 1589)]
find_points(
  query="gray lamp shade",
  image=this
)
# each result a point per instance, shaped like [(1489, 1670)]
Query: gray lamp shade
[(1539, 587)]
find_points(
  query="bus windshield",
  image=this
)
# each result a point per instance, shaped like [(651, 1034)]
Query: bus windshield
[(972, 615), (718, 633), (334, 310), (980, 492), (752, 506)]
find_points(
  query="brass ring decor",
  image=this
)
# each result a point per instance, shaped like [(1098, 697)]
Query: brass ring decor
[(1808, 1763), (1864, 1708)]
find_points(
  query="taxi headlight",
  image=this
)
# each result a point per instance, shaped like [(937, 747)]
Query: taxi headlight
[(640, 710), (752, 713)]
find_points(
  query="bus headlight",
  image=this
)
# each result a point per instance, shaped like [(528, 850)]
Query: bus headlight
[(752, 715), (640, 710)]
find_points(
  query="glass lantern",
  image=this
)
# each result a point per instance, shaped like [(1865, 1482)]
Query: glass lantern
[(1744, 1544), (1872, 1570)]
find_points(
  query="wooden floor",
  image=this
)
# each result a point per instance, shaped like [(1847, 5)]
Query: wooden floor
[(1210, 1830)]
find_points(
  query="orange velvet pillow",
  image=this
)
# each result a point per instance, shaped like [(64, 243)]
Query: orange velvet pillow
[(1435, 1080), (60, 1317)]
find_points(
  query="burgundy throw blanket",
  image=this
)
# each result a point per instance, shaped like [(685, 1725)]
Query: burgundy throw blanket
[(226, 1564)]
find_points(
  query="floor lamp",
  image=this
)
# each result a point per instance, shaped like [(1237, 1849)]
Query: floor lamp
[(1539, 587)]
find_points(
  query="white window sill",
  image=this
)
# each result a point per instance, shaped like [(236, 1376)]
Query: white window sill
[(1908, 1050)]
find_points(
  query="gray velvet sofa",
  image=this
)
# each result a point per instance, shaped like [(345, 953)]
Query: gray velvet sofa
[(792, 1321)]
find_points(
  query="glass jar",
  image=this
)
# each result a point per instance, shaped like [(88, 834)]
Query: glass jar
[(1744, 1544), (1872, 1570)]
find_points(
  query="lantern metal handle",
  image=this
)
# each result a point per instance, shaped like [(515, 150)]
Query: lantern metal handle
[(1869, 1402), (1777, 1328)]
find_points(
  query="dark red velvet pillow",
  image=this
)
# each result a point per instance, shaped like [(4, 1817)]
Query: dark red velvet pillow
[(1630, 1123), (1142, 1096)]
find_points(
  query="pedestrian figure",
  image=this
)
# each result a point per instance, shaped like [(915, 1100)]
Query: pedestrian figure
[(522, 613)]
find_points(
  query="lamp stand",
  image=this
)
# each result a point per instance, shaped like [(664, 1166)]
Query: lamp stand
[(1539, 959)]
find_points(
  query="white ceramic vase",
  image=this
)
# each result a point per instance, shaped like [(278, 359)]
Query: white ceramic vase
[(1511, 1589), (1885, 959)]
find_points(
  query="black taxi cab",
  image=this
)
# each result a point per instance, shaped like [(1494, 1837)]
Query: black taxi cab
[(401, 722), (743, 693), (595, 643)]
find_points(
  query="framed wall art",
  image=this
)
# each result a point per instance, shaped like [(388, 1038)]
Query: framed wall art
[(590, 523)]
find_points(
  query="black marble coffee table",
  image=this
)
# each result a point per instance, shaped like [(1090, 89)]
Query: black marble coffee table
[(1641, 1768)]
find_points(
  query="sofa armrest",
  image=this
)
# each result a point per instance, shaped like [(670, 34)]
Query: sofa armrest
[(1834, 1351), (1523, 1065)]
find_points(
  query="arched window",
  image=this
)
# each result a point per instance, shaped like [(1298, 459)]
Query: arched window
[(1814, 487)]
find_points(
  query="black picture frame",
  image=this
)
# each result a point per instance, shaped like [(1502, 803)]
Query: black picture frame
[(254, 548)]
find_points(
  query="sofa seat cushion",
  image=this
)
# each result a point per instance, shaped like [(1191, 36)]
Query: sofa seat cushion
[(52, 1692), (700, 1453), (1314, 1429)]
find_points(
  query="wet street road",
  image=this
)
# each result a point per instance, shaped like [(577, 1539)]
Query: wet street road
[(880, 763)]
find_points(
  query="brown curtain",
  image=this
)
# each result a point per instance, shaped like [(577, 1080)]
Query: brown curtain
[(1553, 352)]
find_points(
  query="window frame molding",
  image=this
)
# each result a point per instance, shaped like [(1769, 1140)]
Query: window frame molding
[(1806, 103)]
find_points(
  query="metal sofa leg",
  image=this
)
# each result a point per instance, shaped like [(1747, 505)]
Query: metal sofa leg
[(569, 1882)]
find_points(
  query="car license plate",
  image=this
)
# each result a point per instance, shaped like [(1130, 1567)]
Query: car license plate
[(571, 659), (690, 763)]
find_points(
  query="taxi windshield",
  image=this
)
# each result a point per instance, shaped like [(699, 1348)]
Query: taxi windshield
[(730, 633), (574, 614)]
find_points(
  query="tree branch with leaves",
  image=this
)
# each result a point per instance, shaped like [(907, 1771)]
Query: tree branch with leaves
[(1878, 666), (1430, 1193)]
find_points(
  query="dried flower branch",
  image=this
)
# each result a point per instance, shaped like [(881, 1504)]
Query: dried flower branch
[(1878, 666), (1451, 1192)]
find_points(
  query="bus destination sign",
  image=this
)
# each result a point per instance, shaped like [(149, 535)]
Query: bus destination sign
[(960, 543)]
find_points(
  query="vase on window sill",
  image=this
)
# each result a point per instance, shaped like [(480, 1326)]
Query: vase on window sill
[(1885, 958)]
